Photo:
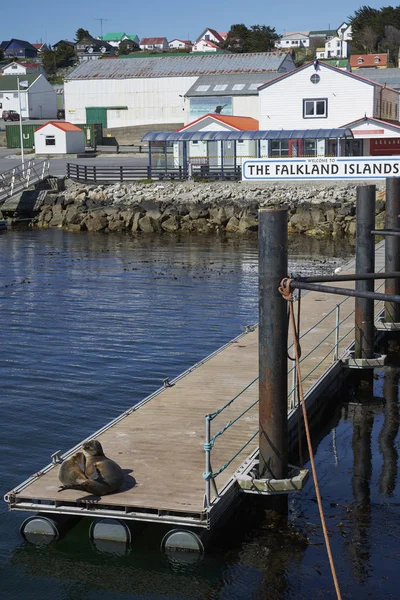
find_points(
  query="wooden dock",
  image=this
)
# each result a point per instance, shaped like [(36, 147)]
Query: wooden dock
[(160, 442)]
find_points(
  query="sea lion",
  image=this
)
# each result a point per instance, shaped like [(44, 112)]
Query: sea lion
[(100, 474), (72, 470)]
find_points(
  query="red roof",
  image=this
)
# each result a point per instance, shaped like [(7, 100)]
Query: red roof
[(64, 126), (216, 34), (156, 40), (239, 123), (207, 43), (188, 42), (368, 60), (30, 65)]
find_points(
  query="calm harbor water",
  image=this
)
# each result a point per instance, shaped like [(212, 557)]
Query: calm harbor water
[(91, 324)]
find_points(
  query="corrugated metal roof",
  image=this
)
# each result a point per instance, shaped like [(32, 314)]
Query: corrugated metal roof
[(389, 77), (281, 134), (179, 66), (8, 83), (244, 84)]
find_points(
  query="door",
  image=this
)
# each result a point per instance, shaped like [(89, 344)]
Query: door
[(96, 114)]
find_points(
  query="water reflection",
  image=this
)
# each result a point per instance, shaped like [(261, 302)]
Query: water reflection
[(389, 431)]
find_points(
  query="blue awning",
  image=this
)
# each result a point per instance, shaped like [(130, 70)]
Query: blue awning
[(279, 134)]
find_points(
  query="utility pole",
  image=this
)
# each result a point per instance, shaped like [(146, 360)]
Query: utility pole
[(101, 25)]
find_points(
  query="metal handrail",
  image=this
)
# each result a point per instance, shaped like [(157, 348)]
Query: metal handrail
[(209, 475), (22, 176)]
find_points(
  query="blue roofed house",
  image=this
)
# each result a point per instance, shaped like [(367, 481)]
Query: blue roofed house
[(19, 48)]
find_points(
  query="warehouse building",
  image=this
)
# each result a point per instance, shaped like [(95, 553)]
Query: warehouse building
[(153, 90)]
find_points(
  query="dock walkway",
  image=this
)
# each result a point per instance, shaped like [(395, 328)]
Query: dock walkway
[(160, 442)]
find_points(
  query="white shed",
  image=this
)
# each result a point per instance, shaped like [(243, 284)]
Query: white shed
[(59, 138)]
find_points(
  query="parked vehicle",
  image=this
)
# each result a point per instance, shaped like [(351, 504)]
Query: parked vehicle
[(61, 113), (10, 115)]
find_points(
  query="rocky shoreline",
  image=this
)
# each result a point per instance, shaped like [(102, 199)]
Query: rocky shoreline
[(320, 210)]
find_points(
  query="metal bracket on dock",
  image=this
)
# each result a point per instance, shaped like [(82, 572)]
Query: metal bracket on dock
[(166, 383), (269, 487), (56, 458), (387, 326), (378, 360), (249, 328)]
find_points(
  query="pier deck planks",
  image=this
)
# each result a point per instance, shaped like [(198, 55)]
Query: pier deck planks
[(160, 445)]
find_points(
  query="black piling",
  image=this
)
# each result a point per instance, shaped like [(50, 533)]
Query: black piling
[(273, 327), (392, 246), (365, 263)]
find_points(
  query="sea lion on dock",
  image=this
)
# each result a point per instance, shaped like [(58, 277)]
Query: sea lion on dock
[(72, 470), (100, 475)]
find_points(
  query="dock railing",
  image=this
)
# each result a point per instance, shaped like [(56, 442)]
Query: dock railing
[(21, 177), (336, 338)]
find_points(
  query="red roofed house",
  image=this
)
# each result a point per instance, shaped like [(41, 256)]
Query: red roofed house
[(217, 153), (209, 41), (154, 43), (41, 47), (177, 44), (57, 137), (372, 61), (19, 68)]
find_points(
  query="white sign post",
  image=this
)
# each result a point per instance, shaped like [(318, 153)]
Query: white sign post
[(320, 167)]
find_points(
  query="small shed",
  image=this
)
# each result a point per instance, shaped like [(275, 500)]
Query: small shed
[(57, 137)]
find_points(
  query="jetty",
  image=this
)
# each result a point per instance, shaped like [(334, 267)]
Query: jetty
[(188, 448)]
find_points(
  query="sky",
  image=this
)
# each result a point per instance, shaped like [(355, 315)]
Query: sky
[(52, 20)]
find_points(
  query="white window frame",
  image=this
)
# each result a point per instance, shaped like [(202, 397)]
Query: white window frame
[(314, 102), (50, 140)]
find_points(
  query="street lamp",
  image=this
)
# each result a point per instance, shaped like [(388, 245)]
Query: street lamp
[(21, 84)]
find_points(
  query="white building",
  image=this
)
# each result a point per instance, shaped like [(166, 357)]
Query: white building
[(294, 39), (154, 43), (211, 35), (205, 46), (59, 138), (344, 31), (151, 90), (38, 98), (176, 44), (336, 48), (319, 96), (17, 68)]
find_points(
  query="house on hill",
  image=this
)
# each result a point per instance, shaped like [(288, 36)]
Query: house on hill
[(19, 68), (369, 61), (159, 44), (18, 48), (177, 44), (115, 38), (293, 39), (90, 49)]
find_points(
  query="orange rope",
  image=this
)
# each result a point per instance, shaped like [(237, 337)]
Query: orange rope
[(285, 290)]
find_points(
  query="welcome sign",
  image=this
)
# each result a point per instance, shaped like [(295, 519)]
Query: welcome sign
[(320, 168)]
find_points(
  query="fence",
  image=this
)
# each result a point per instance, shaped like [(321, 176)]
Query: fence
[(110, 174)]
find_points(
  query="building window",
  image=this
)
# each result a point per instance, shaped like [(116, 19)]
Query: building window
[(279, 148), (315, 108), (14, 67), (50, 140), (360, 60), (315, 78), (377, 59), (310, 147), (240, 141)]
